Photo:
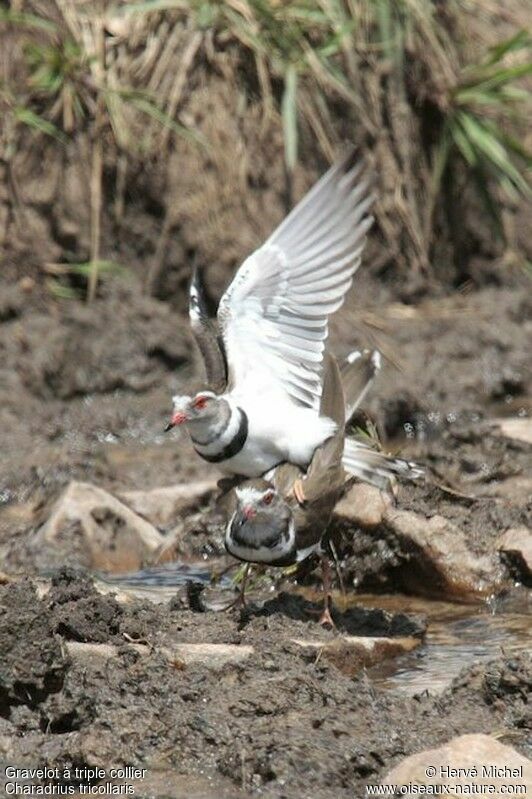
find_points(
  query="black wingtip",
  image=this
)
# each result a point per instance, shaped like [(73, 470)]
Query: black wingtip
[(200, 304)]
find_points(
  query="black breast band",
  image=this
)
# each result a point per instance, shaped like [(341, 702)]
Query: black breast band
[(234, 446)]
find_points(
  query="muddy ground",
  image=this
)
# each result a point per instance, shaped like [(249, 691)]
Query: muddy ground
[(84, 394), (282, 723)]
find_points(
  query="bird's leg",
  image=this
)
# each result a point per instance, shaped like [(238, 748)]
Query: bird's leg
[(326, 618), (240, 601), (299, 491), (217, 576), (337, 567)]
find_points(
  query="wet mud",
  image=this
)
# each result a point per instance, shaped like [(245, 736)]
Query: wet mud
[(91, 669)]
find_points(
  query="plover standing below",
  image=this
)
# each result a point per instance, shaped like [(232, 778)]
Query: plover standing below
[(268, 525)]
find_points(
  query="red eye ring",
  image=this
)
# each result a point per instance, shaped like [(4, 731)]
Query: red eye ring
[(268, 498), (200, 403)]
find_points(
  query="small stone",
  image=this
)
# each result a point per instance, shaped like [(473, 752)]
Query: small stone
[(211, 656), (105, 533), (26, 284), (364, 505), (518, 429), (517, 542), (486, 762), (516, 490), (90, 654)]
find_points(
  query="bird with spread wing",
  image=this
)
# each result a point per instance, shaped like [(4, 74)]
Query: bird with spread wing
[(264, 354)]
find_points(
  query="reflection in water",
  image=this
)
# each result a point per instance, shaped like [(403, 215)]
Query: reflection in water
[(452, 645), (457, 635), (161, 583)]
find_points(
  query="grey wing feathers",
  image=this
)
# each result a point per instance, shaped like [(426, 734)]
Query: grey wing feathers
[(358, 373), (332, 398), (375, 467), (277, 308), (325, 475), (205, 333)]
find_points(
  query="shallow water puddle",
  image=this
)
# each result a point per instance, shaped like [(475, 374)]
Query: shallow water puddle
[(457, 635), (452, 644), (160, 583)]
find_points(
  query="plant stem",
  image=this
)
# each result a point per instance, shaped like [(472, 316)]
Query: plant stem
[(97, 156)]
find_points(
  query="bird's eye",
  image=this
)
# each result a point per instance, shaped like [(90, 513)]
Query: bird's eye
[(268, 498), (200, 403)]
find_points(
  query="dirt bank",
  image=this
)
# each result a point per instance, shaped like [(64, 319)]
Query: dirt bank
[(86, 682)]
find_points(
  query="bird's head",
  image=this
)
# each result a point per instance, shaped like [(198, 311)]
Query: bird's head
[(258, 503), (201, 407), (261, 529)]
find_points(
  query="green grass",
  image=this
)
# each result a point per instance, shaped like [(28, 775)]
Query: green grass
[(66, 89), (487, 99), (383, 67)]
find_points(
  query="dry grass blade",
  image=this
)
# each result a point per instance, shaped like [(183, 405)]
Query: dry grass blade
[(393, 75), (289, 108), (97, 157)]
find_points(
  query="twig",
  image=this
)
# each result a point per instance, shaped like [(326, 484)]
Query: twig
[(187, 60), (97, 157), (156, 267)]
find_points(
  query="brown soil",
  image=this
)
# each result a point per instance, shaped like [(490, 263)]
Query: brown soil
[(282, 724), (85, 394)]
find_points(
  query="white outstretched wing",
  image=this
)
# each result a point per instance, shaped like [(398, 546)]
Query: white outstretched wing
[(274, 315)]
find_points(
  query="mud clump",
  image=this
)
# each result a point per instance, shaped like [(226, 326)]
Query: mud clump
[(120, 344), (32, 665), (80, 614), (257, 722)]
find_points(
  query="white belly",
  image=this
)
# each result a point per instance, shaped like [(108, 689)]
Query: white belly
[(276, 434)]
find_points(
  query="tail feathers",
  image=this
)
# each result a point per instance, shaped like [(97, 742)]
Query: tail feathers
[(377, 468), (358, 373)]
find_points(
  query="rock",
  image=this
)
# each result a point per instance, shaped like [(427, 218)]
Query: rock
[(506, 768), (91, 654), (350, 653), (210, 656), (517, 542), (364, 505), (161, 506), (430, 554), (438, 561), (516, 490), (518, 429), (104, 533)]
